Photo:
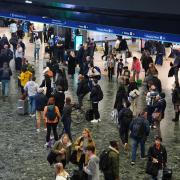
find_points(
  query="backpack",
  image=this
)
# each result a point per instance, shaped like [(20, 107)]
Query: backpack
[(127, 116), (104, 160), (51, 42), (10, 54), (100, 93), (51, 114), (5, 73), (98, 69), (138, 128)]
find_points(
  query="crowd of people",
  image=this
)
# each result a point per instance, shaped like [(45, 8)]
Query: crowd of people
[(48, 104)]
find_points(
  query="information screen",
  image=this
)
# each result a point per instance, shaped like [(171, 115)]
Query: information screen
[(78, 41)]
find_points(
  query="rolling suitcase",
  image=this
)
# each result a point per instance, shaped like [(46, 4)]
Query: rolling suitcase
[(22, 107)]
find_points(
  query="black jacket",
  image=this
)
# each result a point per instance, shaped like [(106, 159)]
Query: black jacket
[(121, 97), (160, 106), (176, 96), (159, 154), (5, 74), (94, 93), (40, 101), (59, 100), (132, 86), (123, 45)]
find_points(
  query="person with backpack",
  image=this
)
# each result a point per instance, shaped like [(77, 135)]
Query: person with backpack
[(5, 76), (176, 101), (150, 99), (52, 117), (40, 103), (96, 96), (124, 118), (109, 162), (92, 168), (51, 44), (139, 128)]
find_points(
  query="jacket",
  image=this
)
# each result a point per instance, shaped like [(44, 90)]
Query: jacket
[(157, 83), (31, 88), (113, 164), (136, 66), (59, 100), (159, 154), (79, 144), (146, 128), (58, 146), (92, 169), (5, 74), (40, 101), (123, 45), (57, 117), (94, 93), (25, 77), (160, 106), (121, 97)]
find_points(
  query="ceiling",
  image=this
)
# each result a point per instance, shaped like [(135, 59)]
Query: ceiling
[(100, 13)]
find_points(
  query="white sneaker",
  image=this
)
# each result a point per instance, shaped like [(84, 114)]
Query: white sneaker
[(95, 121), (33, 115), (46, 145), (45, 129), (38, 130), (99, 120)]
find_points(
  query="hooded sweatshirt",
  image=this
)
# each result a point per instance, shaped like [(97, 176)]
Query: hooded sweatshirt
[(92, 169), (31, 87)]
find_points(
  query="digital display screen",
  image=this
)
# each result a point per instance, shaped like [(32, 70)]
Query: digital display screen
[(78, 41)]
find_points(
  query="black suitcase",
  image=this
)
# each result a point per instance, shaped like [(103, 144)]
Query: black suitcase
[(89, 115), (167, 174)]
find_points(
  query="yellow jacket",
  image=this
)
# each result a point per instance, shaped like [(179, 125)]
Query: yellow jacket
[(25, 77)]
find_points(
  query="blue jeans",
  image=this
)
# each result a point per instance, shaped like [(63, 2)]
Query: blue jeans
[(5, 87), (32, 109), (36, 53), (67, 125), (135, 143)]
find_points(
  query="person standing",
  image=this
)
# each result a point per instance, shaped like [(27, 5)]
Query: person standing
[(71, 64), (92, 168), (51, 116), (124, 118), (106, 48), (110, 65), (123, 48), (24, 77), (5, 75), (120, 66), (157, 154), (45, 33), (59, 98), (40, 103), (136, 68), (96, 96), (66, 117), (31, 88), (176, 101), (80, 146), (139, 128), (18, 57), (112, 172), (37, 46), (61, 174)]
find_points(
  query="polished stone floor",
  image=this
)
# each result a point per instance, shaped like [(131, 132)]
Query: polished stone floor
[(22, 152)]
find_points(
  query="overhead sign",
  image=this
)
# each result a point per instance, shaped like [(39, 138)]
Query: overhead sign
[(135, 33)]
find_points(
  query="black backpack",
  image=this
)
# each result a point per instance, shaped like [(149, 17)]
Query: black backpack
[(100, 93), (51, 114), (138, 128), (104, 160), (127, 116)]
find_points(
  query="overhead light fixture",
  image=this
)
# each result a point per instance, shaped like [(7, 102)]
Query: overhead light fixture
[(28, 2)]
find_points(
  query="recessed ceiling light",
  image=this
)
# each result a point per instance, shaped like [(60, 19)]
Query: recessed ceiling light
[(28, 2)]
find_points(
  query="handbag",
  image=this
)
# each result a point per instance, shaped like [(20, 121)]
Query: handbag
[(44, 89), (157, 116), (152, 168), (128, 54)]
